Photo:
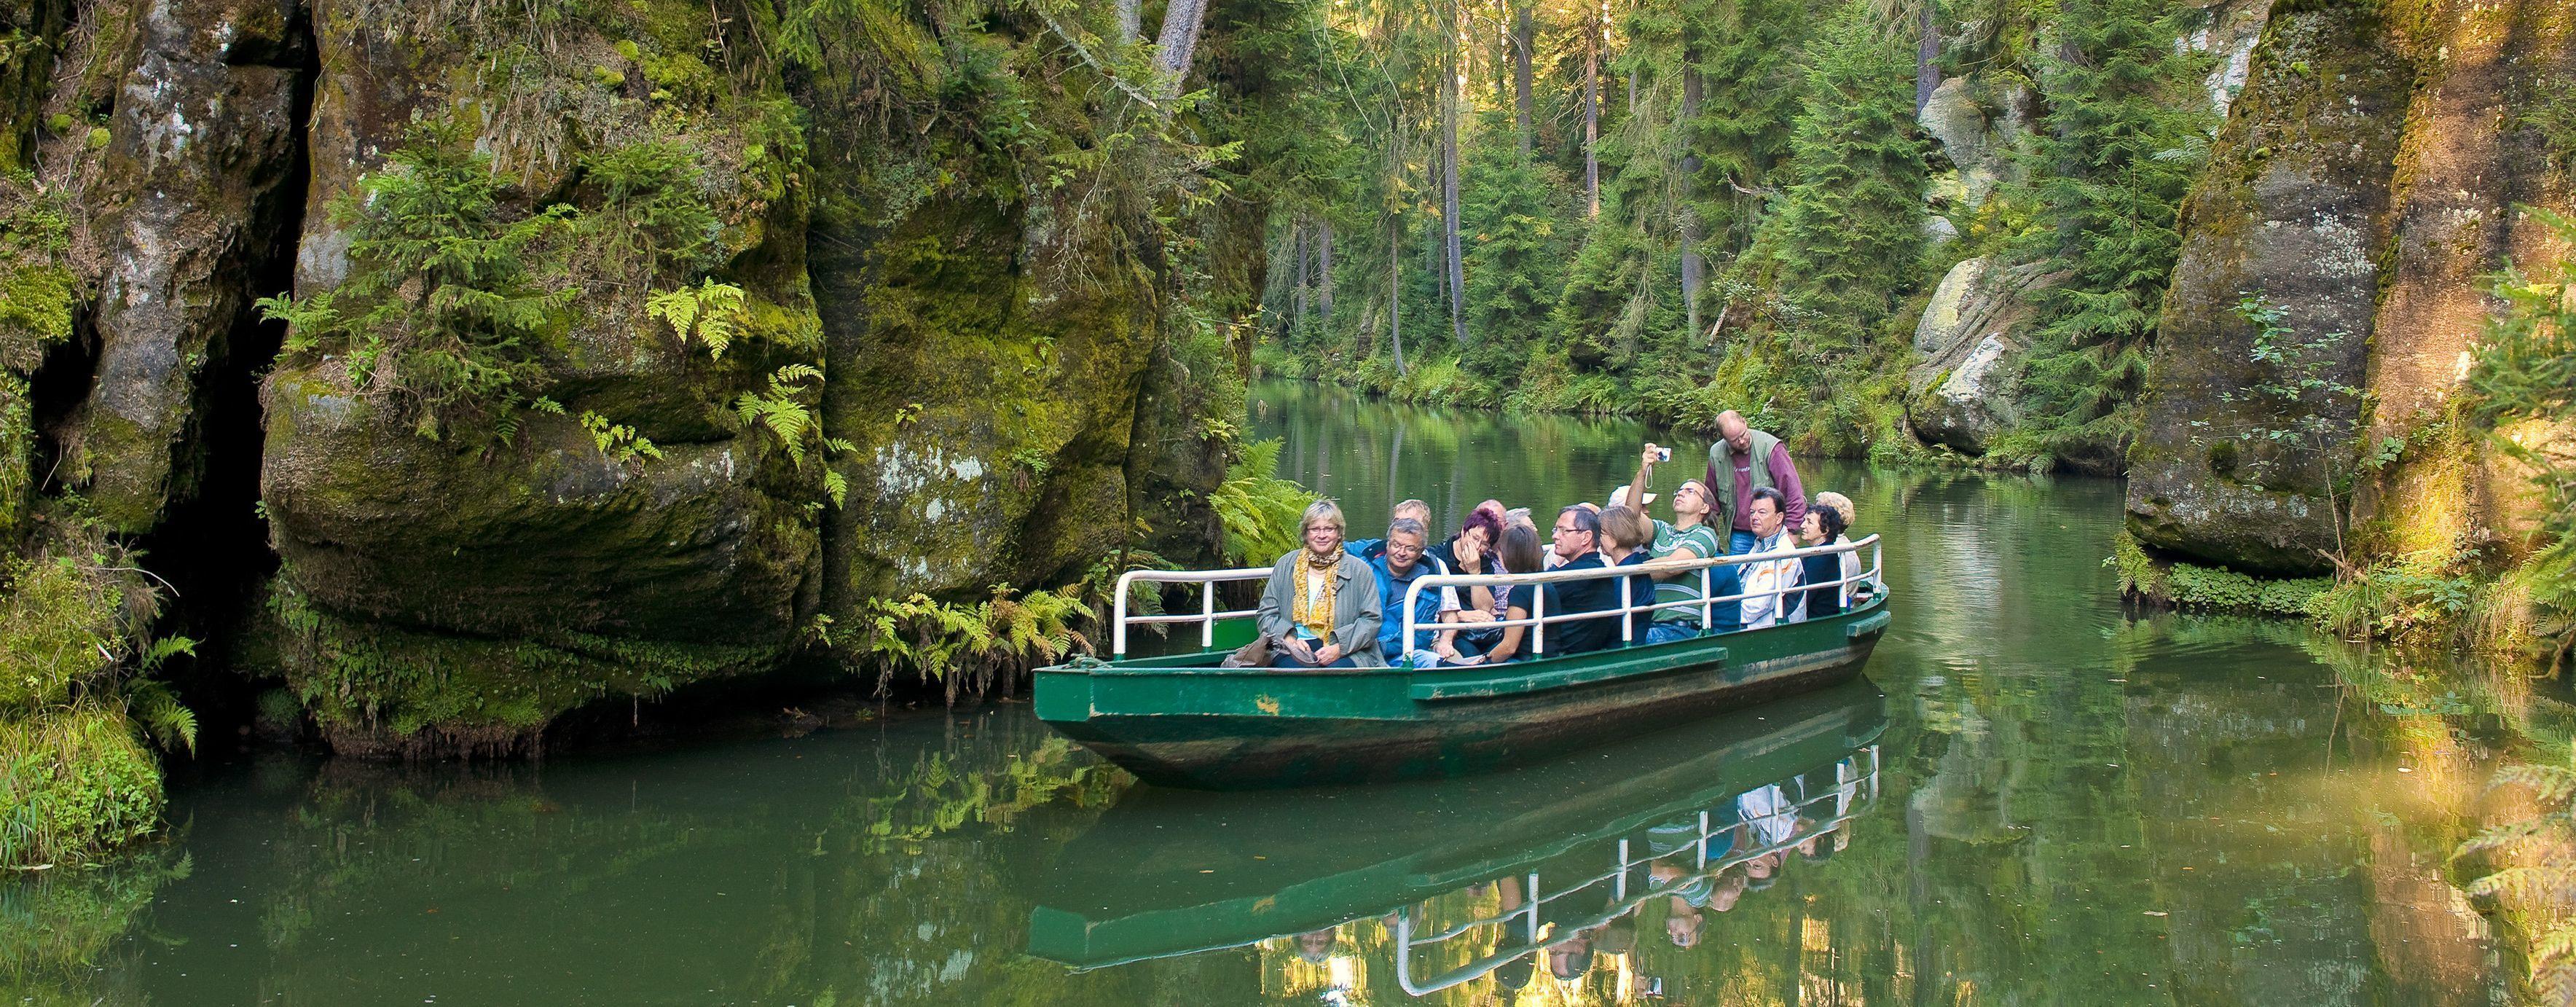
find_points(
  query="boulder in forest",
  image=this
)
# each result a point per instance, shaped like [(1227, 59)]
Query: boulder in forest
[(192, 204), (1970, 342), (2233, 29), (1978, 142), (2228, 465)]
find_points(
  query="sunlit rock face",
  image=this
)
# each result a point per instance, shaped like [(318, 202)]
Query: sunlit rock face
[(2471, 162), (1971, 342), (2292, 210), (2366, 185)]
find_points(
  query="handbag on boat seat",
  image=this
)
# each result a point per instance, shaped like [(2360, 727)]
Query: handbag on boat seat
[(1251, 655)]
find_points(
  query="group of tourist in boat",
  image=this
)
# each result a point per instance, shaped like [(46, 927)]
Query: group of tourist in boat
[(1335, 602)]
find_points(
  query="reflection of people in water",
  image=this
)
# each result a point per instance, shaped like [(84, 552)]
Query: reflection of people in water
[(1315, 945), (1684, 919)]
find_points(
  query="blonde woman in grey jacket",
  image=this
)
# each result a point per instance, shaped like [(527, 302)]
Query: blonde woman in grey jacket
[(1321, 609)]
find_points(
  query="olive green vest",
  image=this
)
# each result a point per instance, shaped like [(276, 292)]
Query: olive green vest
[(1721, 474)]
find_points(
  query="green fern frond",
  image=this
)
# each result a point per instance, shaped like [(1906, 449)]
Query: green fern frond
[(160, 713)]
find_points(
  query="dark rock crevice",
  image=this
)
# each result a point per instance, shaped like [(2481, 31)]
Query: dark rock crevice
[(212, 543)]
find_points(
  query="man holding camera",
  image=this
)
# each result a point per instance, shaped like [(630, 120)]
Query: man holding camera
[(1686, 537)]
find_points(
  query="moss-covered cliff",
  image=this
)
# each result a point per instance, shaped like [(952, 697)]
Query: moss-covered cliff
[(600, 348), (2310, 407)]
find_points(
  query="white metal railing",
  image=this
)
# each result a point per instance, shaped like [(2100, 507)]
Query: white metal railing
[(1864, 792), (1208, 616), (1539, 619)]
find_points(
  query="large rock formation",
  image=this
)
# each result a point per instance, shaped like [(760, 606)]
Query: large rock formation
[(536, 566), (511, 482), (2367, 184), (191, 206), (2292, 210), (2470, 162)]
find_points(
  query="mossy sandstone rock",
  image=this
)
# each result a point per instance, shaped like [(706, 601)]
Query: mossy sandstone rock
[(468, 590), (2294, 208), (191, 204), (2470, 161)]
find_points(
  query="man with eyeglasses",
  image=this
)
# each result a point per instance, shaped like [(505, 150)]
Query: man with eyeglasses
[(1577, 541), (1688, 536), (1398, 560)]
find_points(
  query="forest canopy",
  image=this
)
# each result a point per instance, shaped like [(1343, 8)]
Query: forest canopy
[(1675, 208)]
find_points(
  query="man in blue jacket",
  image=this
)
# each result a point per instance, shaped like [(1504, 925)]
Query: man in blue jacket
[(1399, 560)]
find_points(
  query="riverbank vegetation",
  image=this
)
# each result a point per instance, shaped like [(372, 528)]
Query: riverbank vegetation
[(1668, 210), (2417, 576), (79, 710)]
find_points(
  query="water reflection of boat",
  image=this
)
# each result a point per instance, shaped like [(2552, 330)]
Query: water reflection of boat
[(1578, 841)]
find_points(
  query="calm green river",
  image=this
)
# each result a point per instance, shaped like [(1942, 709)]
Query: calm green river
[(2038, 797)]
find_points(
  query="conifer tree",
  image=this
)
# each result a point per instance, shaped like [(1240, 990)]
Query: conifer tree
[(1848, 240), (1514, 265), (2125, 131)]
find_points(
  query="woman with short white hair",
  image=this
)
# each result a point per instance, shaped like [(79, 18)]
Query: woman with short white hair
[(1321, 608)]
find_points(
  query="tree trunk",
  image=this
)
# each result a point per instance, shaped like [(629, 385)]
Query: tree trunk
[(1129, 20), (1592, 118), (1324, 275), (1524, 105), (1395, 288), (1692, 268), (1927, 49), (1297, 295), (1178, 41), (1450, 99)]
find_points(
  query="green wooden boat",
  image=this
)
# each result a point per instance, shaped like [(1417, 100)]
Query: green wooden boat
[(1167, 873), (1177, 720)]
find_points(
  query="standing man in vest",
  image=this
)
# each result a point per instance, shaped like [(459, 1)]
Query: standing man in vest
[(1744, 458)]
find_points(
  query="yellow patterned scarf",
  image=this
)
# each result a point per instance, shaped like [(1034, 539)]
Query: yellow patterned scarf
[(1314, 610)]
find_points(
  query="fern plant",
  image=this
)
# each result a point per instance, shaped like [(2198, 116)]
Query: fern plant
[(450, 297), (970, 647), (787, 410), (710, 314), (1259, 510), (618, 442)]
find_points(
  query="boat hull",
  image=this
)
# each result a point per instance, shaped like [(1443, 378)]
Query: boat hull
[(1164, 872), (1175, 722)]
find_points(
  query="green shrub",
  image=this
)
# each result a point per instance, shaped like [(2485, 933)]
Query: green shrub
[(2526, 371), (74, 784), (450, 298), (2210, 589), (1259, 510)]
